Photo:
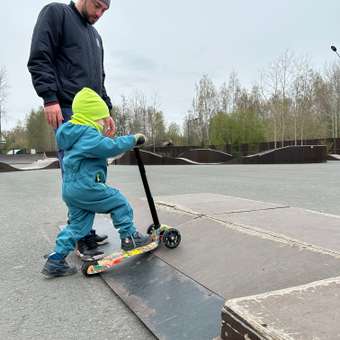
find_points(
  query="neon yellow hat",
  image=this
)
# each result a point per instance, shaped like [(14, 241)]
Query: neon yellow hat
[(87, 107)]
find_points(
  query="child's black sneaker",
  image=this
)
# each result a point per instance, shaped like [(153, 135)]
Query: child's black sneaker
[(57, 267), (87, 249), (136, 240), (99, 239)]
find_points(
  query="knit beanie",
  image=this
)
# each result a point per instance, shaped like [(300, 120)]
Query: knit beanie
[(106, 2), (87, 107)]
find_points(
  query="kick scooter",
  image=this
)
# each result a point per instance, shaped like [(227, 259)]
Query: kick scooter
[(160, 233)]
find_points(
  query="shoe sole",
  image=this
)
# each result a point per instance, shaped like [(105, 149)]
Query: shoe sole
[(57, 274), (101, 243), (144, 245), (88, 258)]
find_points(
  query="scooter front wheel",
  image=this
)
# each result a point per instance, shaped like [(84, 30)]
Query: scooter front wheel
[(171, 238)]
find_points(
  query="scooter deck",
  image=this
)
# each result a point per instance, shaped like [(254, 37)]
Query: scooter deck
[(116, 258)]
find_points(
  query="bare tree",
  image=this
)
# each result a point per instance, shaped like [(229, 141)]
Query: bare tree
[(224, 98), (269, 87), (3, 96), (125, 116), (277, 83), (191, 128), (138, 108), (333, 79), (205, 105), (155, 123), (234, 91), (284, 65), (302, 98), (322, 102)]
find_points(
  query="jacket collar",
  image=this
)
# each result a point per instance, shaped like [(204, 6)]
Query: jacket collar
[(74, 8)]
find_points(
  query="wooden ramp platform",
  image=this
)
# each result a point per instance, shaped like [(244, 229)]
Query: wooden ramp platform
[(231, 248)]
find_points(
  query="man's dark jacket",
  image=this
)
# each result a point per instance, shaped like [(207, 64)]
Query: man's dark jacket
[(66, 55)]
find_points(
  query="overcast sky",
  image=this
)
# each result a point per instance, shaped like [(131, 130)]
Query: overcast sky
[(163, 47)]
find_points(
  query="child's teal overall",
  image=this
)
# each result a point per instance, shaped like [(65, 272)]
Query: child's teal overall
[(84, 188)]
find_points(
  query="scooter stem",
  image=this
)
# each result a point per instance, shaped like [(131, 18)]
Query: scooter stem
[(147, 189)]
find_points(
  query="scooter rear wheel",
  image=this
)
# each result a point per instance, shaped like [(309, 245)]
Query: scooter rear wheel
[(86, 265), (150, 229)]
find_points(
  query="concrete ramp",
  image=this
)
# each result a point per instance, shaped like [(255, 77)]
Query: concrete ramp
[(304, 312), (41, 164), (231, 248), (289, 154), (150, 158), (206, 156), (5, 167), (167, 301), (333, 157)]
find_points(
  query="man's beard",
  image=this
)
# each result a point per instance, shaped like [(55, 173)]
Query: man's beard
[(85, 14)]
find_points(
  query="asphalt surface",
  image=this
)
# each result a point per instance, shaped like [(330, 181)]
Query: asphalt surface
[(78, 308), (33, 307), (308, 186)]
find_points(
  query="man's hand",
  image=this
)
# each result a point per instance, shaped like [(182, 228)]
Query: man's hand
[(53, 115), (110, 127)]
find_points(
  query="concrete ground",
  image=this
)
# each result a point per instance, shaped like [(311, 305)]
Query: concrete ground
[(33, 307), (78, 308)]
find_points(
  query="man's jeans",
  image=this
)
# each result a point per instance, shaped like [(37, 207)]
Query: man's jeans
[(67, 113)]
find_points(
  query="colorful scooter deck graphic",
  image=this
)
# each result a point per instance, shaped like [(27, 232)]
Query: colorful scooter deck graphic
[(112, 260), (165, 234)]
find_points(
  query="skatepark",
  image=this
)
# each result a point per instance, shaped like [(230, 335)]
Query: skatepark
[(259, 257), (235, 111)]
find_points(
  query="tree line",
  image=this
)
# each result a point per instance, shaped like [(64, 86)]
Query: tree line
[(291, 101)]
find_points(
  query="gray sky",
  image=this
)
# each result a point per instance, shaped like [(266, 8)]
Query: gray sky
[(163, 47)]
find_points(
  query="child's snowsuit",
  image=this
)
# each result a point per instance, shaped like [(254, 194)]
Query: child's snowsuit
[(84, 186)]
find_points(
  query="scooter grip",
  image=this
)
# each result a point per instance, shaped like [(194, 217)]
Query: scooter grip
[(140, 140)]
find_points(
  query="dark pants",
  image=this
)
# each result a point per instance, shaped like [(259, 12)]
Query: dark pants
[(67, 113)]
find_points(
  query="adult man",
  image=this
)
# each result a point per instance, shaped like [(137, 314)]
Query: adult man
[(67, 55)]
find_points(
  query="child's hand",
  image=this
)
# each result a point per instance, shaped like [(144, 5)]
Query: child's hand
[(140, 139), (109, 127)]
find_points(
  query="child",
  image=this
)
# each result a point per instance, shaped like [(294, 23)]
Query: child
[(84, 190)]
